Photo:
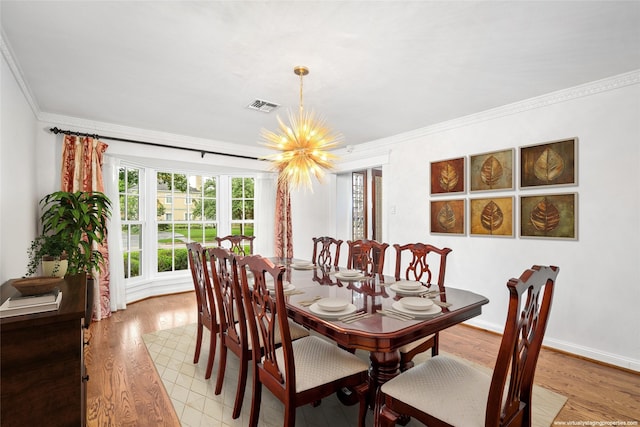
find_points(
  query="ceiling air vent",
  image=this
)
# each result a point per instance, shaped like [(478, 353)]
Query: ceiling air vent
[(264, 106)]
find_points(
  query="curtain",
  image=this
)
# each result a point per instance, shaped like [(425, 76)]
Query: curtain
[(116, 269), (82, 171), (283, 228)]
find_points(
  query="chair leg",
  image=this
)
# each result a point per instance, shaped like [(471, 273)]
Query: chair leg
[(222, 364), (385, 417), (255, 402), (289, 415), (434, 349), (362, 391), (198, 343), (212, 353), (242, 384)]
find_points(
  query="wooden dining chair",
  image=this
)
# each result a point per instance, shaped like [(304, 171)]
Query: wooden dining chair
[(297, 372), (234, 334), (326, 251), (205, 302), (418, 264), (444, 391), (366, 255), (237, 243)]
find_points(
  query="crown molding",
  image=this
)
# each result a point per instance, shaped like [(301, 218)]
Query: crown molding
[(564, 95), (8, 55)]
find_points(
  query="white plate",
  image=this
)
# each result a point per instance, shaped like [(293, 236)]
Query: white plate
[(285, 286), (331, 314), (434, 309), (408, 285), (416, 303), (332, 304), (341, 276), (348, 273), (395, 287), (302, 265)]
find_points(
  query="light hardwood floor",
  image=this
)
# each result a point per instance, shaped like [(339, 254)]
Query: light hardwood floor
[(125, 390)]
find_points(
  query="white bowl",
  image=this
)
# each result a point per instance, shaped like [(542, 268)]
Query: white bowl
[(332, 304), (301, 264), (349, 273), (416, 303), (408, 285)]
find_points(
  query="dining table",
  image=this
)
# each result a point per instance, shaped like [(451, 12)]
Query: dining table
[(375, 320)]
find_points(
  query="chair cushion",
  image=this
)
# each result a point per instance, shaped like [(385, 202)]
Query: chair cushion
[(445, 388), (407, 348), (320, 362)]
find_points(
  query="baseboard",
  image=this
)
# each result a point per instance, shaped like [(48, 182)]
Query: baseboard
[(155, 288), (587, 353)]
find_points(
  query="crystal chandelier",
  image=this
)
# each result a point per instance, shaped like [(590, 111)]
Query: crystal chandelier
[(303, 145)]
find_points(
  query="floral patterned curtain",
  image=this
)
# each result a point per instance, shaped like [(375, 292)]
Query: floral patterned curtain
[(82, 171), (283, 228)]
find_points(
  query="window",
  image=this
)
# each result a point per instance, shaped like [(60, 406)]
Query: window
[(191, 216), (131, 219), (242, 201)]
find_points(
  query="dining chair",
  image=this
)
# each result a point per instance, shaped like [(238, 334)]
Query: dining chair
[(237, 243), (326, 251), (444, 391), (234, 334), (297, 372), (419, 263), (366, 255), (205, 301)]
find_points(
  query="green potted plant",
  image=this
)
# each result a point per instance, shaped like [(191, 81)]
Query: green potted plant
[(50, 251), (80, 219)]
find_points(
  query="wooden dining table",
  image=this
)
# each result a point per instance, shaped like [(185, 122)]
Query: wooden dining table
[(380, 334)]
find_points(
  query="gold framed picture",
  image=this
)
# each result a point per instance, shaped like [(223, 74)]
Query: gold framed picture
[(550, 164), (491, 171), (551, 216), (491, 217), (448, 216), (447, 176)]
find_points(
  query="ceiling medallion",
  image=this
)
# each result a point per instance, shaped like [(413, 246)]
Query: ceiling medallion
[(304, 145)]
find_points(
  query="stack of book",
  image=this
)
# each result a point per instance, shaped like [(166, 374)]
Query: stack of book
[(20, 304)]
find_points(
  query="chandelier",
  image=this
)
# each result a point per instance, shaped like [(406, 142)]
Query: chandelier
[(303, 145)]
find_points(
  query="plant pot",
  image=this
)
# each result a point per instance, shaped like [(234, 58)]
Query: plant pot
[(49, 267)]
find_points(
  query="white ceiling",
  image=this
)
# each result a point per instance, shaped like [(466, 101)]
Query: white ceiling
[(377, 68)]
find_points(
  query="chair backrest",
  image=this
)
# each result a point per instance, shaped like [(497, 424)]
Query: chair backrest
[(419, 268), (520, 346), (201, 281), (263, 308), (228, 294), (326, 251), (366, 255), (237, 243)]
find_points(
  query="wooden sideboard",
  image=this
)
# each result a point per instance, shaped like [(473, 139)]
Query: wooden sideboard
[(42, 367)]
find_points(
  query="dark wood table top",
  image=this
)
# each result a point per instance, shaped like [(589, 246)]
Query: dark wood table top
[(377, 333)]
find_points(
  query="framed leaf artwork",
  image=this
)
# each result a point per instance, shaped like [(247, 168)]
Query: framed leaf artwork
[(447, 216), (491, 171), (552, 216), (491, 217), (550, 164), (447, 176)]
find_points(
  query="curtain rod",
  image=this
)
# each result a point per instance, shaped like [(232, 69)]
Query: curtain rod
[(56, 131)]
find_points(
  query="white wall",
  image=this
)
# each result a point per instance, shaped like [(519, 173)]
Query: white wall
[(595, 311), (18, 173)]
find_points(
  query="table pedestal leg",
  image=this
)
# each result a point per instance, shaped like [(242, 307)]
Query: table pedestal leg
[(384, 366)]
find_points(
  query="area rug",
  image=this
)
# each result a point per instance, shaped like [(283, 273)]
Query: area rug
[(196, 404)]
